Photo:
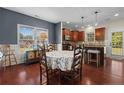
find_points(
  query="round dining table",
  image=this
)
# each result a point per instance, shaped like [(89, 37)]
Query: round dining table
[(60, 59)]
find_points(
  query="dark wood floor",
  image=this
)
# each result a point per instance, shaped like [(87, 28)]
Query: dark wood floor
[(111, 73)]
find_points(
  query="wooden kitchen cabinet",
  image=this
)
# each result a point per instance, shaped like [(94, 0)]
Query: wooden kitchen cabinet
[(100, 34), (66, 34), (75, 36), (81, 36)]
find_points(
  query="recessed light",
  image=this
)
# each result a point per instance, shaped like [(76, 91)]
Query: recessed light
[(82, 26), (67, 22), (116, 14), (37, 16), (96, 24), (76, 25)]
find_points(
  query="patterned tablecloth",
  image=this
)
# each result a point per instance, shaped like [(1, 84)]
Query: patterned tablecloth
[(1, 55), (60, 59)]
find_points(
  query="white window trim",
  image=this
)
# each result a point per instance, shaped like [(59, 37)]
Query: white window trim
[(19, 25)]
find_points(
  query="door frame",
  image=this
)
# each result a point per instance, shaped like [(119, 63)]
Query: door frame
[(122, 43)]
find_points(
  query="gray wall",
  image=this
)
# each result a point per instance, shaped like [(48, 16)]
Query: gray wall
[(9, 21), (58, 33)]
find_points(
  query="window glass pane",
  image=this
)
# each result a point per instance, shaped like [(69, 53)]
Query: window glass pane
[(26, 33)]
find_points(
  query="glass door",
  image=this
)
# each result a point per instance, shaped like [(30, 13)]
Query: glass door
[(117, 43)]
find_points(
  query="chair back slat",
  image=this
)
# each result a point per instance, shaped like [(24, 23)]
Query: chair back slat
[(51, 47), (77, 61), (43, 64)]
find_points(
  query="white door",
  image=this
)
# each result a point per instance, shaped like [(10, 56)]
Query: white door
[(117, 44)]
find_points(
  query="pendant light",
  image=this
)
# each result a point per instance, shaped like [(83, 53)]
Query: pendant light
[(96, 15), (82, 22)]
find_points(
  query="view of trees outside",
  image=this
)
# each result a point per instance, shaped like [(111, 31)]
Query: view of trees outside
[(29, 37), (117, 42), (25, 37), (117, 39)]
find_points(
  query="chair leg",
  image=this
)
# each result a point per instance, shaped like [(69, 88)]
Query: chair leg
[(9, 60), (59, 77), (97, 60), (5, 63), (88, 58), (81, 74), (83, 58), (40, 75), (15, 58)]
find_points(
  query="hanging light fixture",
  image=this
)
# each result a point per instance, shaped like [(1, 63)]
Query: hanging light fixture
[(96, 15), (82, 22)]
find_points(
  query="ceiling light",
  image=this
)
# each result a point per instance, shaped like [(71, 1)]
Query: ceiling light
[(116, 14), (37, 16), (82, 22), (67, 22), (88, 25), (82, 26), (76, 25), (96, 23)]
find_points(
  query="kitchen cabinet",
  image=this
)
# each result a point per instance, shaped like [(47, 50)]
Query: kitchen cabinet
[(66, 34), (81, 36), (100, 34), (75, 36)]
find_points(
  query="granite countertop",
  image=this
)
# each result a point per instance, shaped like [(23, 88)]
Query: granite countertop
[(96, 46)]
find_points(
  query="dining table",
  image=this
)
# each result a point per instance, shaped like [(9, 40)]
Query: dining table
[(1, 55), (60, 59)]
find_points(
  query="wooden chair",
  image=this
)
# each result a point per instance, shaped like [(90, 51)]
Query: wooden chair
[(51, 47), (8, 55), (1, 58), (45, 71), (76, 69)]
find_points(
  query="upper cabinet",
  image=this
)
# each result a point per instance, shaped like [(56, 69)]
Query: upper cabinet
[(74, 36), (100, 34), (81, 36), (66, 34)]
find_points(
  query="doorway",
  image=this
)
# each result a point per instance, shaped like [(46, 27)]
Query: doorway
[(117, 47)]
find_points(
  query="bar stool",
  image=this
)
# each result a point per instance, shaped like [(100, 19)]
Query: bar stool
[(97, 53), (84, 55)]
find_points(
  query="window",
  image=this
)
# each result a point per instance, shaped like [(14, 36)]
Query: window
[(90, 37), (29, 37)]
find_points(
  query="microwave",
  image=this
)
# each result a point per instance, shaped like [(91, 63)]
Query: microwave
[(67, 37)]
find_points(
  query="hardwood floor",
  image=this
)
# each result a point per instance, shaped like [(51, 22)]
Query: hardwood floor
[(111, 73)]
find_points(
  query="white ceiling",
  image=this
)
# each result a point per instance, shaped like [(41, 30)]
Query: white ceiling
[(71, 14)]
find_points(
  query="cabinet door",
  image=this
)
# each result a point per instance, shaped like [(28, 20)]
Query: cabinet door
[(81, 36), (75, 36), (66, 33), (100, 34)]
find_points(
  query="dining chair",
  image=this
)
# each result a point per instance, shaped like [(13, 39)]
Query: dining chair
[(46, 72), (76, 68), (51, 47), (8, 55), (1, 58)]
